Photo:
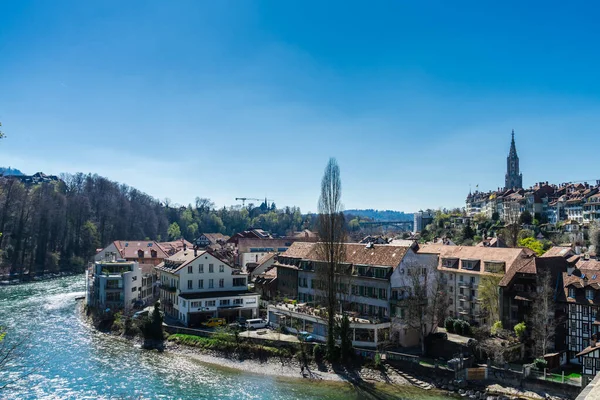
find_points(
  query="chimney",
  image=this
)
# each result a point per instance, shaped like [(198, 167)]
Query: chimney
[(593, 340), (195, 251)]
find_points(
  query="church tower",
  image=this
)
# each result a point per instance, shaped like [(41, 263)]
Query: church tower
[(513, 179)]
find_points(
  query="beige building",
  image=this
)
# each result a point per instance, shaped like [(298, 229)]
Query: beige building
[(463, 268)]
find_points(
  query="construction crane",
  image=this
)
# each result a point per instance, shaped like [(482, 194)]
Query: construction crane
[(243, 199)]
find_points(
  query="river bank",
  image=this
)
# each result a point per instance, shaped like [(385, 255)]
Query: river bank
[(361, 375)]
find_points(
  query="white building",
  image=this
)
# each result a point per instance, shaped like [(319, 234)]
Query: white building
[(115, 285), (196, 285)]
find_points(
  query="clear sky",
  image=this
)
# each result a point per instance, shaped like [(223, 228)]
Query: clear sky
[(226, 99)]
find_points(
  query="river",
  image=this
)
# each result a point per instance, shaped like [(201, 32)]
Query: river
[(72, 361)]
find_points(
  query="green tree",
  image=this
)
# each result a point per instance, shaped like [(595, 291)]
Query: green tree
[(345, 338), (489, 297), (174, 231), (467, 232), (533, 244), (526, 218), (152, 325), (354, 225)]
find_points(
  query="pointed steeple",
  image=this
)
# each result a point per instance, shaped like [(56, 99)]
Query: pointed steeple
[(513, 179)]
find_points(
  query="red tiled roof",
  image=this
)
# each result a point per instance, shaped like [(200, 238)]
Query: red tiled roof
[(129, 249)]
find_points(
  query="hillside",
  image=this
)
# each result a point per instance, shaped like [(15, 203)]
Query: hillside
[(10, 171), (381, 215)]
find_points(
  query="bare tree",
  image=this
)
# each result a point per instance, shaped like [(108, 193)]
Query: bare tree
[(542, 319), (489, 296), (12, 370), (512, 225), (426, 301), (331, 229), (595, 236)]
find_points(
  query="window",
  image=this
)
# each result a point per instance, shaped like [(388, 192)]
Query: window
[(424, 271), (238, 301), (190, 269), (585, 328), (472, 279), (211, 283), (589, 294), (460, 278), (589, 362), (134, 278), (382, 293), (224, 302), (451, 289), (133, 289), (240, 281), (451, 301), (201, 284), (211, 303), (201, 268), (461, 291), (190, 284), (221, 268), (221, 283), (211, 268)]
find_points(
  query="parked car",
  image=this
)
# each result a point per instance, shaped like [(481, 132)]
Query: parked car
[(256, 323), (214, 322), (306, 337)]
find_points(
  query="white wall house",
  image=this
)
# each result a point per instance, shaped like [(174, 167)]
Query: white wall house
[(114, 285), (196, 285)]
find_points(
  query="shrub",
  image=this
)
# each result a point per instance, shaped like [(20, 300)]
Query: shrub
[(520, 329), (318, 352), (466, 328), (377, 361), (449, 324), (496, 328), (540, 363), (458, 324)]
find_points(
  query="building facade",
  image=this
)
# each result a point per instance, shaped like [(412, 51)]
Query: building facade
[(463, 268), (196, 285), (116, 285)]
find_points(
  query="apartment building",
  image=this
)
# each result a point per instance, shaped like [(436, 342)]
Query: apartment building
[(117, 285), (462, 269), (196, 285), (371, 283)]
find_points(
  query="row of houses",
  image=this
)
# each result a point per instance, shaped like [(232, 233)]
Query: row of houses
[(577, 202)]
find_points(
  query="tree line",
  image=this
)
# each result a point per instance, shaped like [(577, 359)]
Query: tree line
[(56, 226)]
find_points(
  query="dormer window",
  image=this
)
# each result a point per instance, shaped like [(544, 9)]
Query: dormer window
[(589, 294), (141, 253), (572, 292), (153, 253)]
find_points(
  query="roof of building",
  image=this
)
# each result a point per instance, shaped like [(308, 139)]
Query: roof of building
[(511, 257), (181, 259), (588, 350), (559, 251), (580, 279), (216, 237), (591, 264), (174, 246), (354, 253), (533, 266), (129, 249), (306, 233)]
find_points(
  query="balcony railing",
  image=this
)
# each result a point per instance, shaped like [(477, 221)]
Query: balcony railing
[(466, 284)]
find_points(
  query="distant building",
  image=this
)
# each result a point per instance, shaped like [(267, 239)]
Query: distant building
[(422, 219), (34, 179), (211, 239), (513, 178), (141, 251), (173, 247), (117, 285)]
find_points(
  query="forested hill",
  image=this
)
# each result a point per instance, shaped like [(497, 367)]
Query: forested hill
[(10, 171), (381, 215), (60, 224)]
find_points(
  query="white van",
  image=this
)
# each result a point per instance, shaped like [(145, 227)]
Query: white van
[(256, 324)]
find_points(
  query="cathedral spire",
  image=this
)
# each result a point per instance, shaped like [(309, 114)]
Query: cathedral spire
[(513, 179)]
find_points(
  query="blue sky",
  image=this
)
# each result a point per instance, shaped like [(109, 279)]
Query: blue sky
[(226, 99)]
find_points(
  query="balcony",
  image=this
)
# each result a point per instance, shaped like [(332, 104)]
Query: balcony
[(171, 289), (463, 311), (466, 284), (463, 297)]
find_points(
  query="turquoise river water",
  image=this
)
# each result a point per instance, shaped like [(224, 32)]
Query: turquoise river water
[(72, 361)]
